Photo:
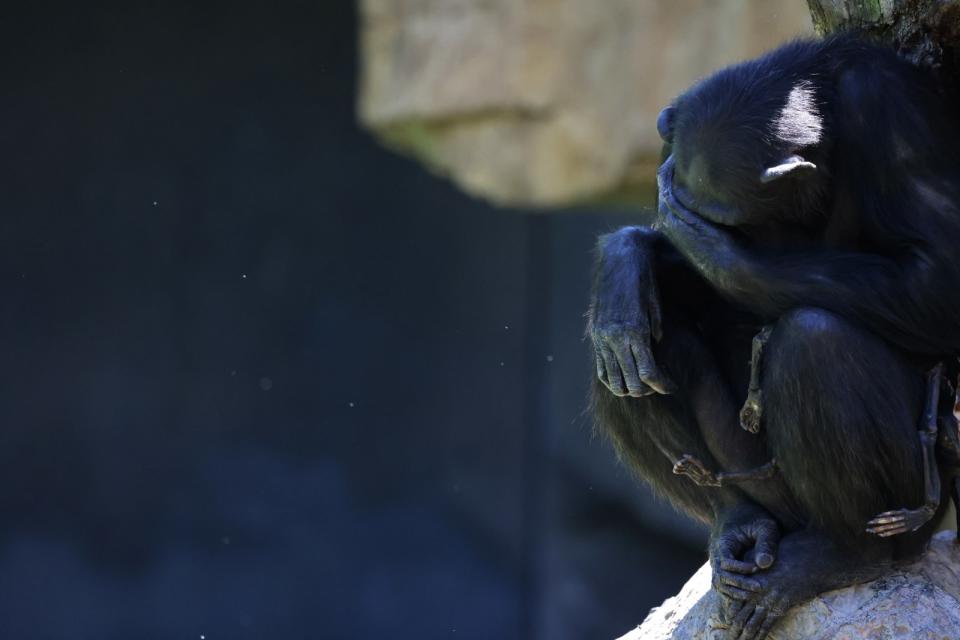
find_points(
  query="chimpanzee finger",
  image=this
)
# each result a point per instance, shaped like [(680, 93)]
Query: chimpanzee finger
[(602, 371), (602, 374), (887, 517), (614, 378), (753, 624), (734, 594), (739, 620), (738, 566), (888, 530), (730, 607), (739, 581), (641, 366), (767, 625), (628, 367), (726, 549), (649, 372), (767, 543), (890, 524)]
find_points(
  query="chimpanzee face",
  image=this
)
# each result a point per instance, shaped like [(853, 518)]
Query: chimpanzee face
[(740, 168)]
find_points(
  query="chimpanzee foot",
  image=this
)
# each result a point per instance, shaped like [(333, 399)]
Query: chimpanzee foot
[(744, 542), (752, 412), (696, 471), (897, 521), (808, 564), (892, 523)]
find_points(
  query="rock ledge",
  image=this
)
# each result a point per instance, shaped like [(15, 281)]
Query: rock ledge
[(920, 601)]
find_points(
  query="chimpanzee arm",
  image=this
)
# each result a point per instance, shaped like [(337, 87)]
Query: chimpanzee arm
[(910, 300), (637, 271), (624, 314)]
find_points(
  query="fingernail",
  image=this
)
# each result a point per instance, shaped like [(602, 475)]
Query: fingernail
[(666, 388), (764, 560)]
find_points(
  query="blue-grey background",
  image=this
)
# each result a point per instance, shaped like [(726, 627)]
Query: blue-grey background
[(261, 378)]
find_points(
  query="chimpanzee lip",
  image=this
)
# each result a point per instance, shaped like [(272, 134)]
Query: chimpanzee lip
[(680, 197), (674, 196)]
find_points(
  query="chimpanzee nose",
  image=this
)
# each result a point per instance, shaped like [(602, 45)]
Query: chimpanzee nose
[(665, 124)]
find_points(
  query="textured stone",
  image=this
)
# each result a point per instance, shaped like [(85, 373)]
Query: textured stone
[(919, 601), (926, 31), (547, 102)]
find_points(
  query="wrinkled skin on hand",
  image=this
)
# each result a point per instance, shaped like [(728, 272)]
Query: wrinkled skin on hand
[(625, 317), (741, 544), (806, 566)]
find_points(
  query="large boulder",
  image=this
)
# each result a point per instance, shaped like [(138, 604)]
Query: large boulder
[(919, 601), (547, 102)]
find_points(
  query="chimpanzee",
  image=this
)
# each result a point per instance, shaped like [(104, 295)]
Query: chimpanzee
[(803, 265)]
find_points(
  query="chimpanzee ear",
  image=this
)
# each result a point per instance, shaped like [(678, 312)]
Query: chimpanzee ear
[(794, 165), (665, 124)]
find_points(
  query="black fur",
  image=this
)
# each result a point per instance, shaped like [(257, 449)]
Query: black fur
[(851, 255)]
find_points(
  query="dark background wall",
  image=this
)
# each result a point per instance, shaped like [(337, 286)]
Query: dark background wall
[(261, 378)]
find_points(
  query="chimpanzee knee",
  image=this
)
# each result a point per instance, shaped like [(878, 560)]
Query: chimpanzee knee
[(809, 328), (842, 410)]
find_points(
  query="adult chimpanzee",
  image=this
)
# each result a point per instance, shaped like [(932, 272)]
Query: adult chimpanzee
[(814, 191)]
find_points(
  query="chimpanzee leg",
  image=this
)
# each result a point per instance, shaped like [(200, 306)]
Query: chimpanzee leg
[(651, 433), (841, 411), (700, 420)]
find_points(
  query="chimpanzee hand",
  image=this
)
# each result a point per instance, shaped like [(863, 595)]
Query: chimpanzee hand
[(625, 315), (807, 564), (709, 247), (741, 545)]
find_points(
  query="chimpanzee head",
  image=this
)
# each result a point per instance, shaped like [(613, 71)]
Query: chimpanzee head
[(748, 147)]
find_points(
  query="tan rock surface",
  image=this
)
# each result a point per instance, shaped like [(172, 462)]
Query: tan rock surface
[(547, 102), (920, 601)]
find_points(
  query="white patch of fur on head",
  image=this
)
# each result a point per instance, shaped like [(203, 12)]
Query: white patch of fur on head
[(799, 122)]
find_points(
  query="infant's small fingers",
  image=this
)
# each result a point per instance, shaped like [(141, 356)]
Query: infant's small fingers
[(686, 466), (891, 513), (887, 518), (885, 527), (887, 531)]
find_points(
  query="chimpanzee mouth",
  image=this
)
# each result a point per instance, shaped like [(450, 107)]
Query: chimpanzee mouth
[(684, 198), (676, 196)]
